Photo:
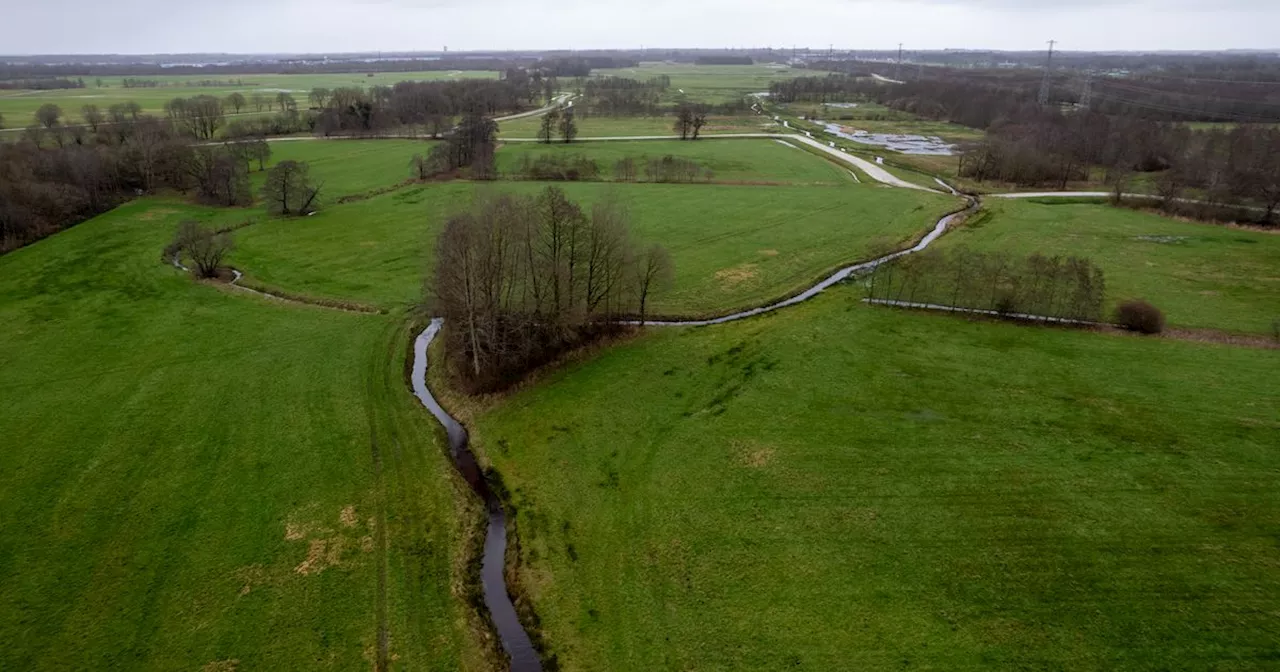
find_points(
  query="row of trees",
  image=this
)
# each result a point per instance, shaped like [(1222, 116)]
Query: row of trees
[(520, 279), (45, 84), (579, 168), (1071, 288)]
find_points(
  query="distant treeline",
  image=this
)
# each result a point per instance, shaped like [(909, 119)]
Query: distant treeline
[(28, 70), (580, 67), (622, 96), (47, 84), (56, 175), (724, 60), (977, 97)]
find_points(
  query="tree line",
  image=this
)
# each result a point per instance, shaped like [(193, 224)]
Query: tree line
[(521, 279), (44, 84), (1070, 288), (579, 168), (622, 96)]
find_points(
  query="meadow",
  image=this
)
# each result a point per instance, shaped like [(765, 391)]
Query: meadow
[(19, 107), (847, 487), (732, 246), (198, 477), (753, 161), (1200, 275), (194, 475)]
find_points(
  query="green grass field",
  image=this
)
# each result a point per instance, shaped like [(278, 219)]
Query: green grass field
[(1200, 275), (733, 246), (347, 167), (193, 475), (595, 127), (736, 161), (19, 107), (846, 487)]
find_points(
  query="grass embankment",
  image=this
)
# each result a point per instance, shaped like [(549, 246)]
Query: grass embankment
[(845, 487), (191, 475), (732, 246), (1200, 275), (731, 161)]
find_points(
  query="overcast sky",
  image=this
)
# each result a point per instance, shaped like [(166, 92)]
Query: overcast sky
[(246, 26)]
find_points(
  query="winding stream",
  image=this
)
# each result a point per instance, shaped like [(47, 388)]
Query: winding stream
[(515, 640)]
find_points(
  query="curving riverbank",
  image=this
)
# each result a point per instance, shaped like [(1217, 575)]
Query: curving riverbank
[(515, 639)]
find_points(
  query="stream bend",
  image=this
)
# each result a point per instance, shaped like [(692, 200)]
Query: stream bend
[(515, 640)]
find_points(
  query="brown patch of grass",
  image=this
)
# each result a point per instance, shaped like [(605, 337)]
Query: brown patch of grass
[(295, 531), (754, 455), (731, 277), (315, 562), (769, 253), (228, 665), (348, 516)]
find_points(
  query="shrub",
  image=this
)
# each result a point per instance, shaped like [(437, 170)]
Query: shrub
[(1140, 316)]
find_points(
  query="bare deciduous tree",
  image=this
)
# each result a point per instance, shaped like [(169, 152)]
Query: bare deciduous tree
[(203, 247), (236, 101), (653, 273), (92, 116), (547, 131), (568, 127), (288, 189)]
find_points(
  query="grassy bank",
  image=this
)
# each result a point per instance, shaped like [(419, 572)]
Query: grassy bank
[(193, 475), (844, 487)]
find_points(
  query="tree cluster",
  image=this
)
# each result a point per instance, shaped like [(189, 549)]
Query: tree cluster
[(620, 96), (689, 121), (520, 280), (430, 105), (201, 247), (471, 145), (1070, 288), (46, 187), (558, 168), (673, 169)]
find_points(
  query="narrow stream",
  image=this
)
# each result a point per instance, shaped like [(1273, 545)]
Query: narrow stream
[(515, 641), (838, 276)]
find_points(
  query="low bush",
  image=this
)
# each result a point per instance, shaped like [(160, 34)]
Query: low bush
[(1140, 316)]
